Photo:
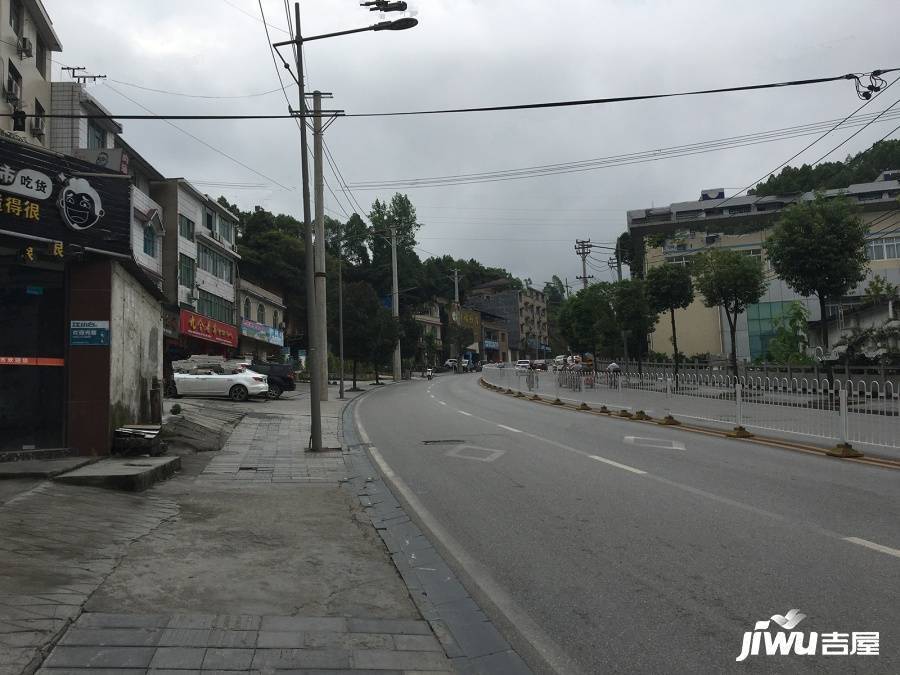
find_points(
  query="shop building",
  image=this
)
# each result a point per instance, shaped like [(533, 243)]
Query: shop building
[(262, 321), (199, 272), (81, 327)]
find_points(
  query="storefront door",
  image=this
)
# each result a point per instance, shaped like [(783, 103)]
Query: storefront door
[(32, 349)]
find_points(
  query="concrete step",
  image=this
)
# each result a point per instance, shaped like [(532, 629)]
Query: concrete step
[(42, 468), (132, 474), (42, 453)]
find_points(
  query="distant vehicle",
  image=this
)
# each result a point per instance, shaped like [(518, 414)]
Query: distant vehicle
[(522, 365), (539, 364), (429, 373), (238, 385), (559, 361), (280, 377), (451, 363)]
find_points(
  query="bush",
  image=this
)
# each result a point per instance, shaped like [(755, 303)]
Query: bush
[(175, 409)]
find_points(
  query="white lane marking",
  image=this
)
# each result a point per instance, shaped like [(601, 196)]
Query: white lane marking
[(476, 452), (654, 443), (463, 412), (442, 403), (431, 395), (478, 573), (503, 426), (872, 545), (617, 465)]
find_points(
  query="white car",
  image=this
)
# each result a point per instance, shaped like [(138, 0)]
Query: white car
[(238, 385), (522, 365)]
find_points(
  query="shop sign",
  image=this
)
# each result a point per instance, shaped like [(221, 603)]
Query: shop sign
[(62, 199), (203, 328), (491, 344), (89, 333), (31, 361), (259, 331)]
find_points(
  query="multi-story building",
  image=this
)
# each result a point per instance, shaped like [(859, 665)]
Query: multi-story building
[(27, 39), (199, 271), (683, 229), (92, 138), (523, 312), (262, 320), (495, 339), (429, 317)]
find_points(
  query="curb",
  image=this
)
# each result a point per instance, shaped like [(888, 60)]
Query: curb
[(671, 422), (470, 639)]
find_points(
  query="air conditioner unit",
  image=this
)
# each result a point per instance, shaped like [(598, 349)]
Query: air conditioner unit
[(13, 92), (37, 127), (25, 47)]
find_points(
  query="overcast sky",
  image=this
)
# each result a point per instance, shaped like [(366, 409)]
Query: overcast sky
[(492, 52)]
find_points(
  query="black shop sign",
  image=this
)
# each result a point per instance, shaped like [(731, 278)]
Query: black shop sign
[(63, 199)]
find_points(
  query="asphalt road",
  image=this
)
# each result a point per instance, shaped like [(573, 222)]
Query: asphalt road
[(613, 546)]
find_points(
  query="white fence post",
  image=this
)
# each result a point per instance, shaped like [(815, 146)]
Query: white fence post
[(739, 430), (845, 422)]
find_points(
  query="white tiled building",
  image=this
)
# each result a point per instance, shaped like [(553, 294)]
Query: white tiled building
[(27, 39)]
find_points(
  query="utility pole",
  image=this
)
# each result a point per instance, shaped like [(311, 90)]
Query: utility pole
[(568, 289), (341, 311), (619, 274), (312, 357), (395, 302), (321, 304), (456, 286), (583, 249)]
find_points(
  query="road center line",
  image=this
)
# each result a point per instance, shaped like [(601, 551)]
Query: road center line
[(616, 464), (503, 426), (872, 545), (463, 412)]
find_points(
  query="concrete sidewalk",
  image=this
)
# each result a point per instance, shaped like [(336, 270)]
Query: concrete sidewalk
[(253, 559)]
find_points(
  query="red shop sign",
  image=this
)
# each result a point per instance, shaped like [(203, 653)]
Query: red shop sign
[(211, 330)]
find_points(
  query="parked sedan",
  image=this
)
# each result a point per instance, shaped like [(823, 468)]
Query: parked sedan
[(238, 385)]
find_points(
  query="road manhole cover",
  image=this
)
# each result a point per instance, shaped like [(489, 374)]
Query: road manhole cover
[(450, 441)]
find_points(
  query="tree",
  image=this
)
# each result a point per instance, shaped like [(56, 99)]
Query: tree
[(360, 305), (732, 280), (880, 290), (587, 320), (635, 316), (818, 248), (790, 341), (669, 287)]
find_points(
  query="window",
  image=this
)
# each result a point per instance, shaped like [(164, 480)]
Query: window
[(275, 319), (260, 314), (150, 241), (226, 230), (185, 271), (96, 136), (883, 248), (215, 307), (247, 308), (40, 56), (17, 16), (215, 263), (13, 80), (210, 221), (185, 227)]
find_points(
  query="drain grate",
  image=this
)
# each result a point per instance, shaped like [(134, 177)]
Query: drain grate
[(442, 441)]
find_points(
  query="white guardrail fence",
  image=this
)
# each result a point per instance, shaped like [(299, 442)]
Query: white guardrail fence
[(844, 411)]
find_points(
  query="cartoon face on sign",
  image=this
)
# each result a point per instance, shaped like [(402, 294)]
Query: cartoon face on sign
[(80, 204)]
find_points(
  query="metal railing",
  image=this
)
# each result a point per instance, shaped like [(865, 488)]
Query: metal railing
[(842, 410)]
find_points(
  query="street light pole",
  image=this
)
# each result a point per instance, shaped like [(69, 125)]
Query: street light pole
[(312, 356), (395, 301)]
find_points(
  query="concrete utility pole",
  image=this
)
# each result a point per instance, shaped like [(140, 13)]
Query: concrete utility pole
[(321, 304), (456, 286), (312, 357), (583, 249), (395, 302), (619, 273), (341, 312)]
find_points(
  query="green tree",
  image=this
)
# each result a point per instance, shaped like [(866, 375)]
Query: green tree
[(634, 314), (880, 290), (790, 341), (360, 306), (818, 248), (669, 287), (587, 321), (731, 280)]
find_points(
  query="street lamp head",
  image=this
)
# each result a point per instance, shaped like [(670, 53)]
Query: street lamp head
[(399, 24)]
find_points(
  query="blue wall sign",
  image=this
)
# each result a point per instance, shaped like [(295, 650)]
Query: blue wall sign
[(89, 334)]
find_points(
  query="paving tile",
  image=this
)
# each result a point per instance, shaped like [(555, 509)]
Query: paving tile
[(110, 637), (267, 659), (387, 659), (477, 638), (237, 622), (102, 620), (406, 626), (282, 639), (219, 637), (100, 657), (502, 663), (192, 621), (416, 643), (227, 659), (349, 640), (300, 623), (178, 658), (184, 637)]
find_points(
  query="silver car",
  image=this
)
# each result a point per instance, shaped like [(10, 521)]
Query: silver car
[(238, 385)]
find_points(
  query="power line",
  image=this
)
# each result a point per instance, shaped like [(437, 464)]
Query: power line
[(200, 140), (200, 96), (255, 18), (622, 99), (625, 159), (859, 131)]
